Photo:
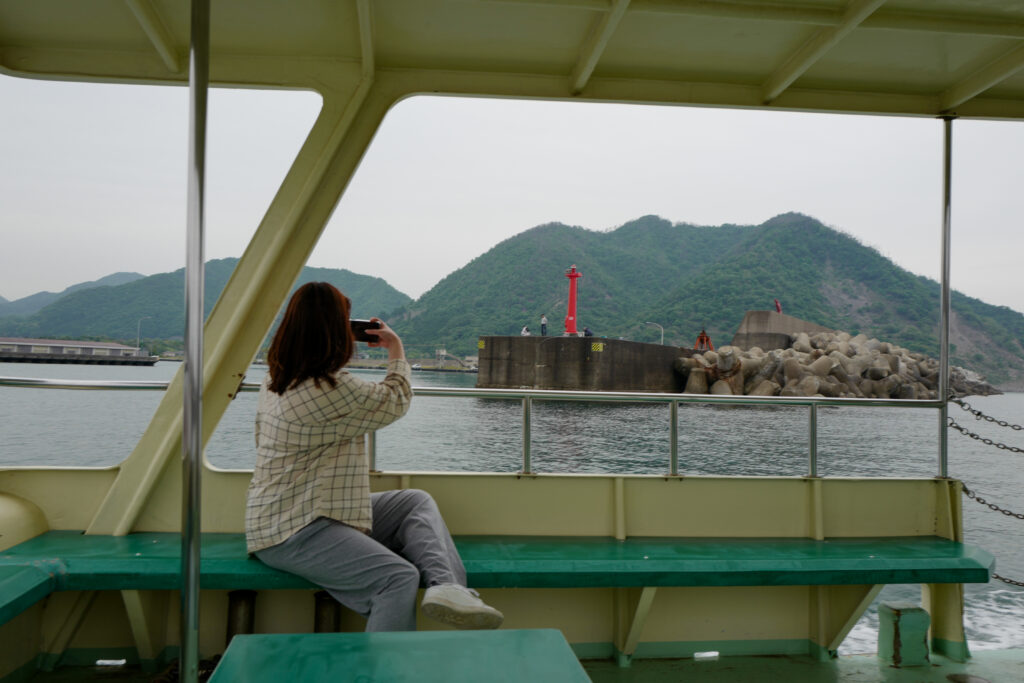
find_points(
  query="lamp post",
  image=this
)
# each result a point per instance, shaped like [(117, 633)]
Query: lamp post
[(662, 331), (138, 332)]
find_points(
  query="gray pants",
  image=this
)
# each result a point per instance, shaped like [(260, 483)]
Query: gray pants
[(376, 575)]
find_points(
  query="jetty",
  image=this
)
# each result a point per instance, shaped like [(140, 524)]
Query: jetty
[(23, 350)]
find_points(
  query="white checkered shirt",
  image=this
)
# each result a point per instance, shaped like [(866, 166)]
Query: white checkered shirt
[(311, 455)]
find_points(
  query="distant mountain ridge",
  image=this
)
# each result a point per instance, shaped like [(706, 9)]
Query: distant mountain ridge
[(159, 302), (646, 273), (686, 278), (35, 302)]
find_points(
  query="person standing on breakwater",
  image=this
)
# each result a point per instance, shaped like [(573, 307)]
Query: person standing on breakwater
[(309, 509), (544, 325)]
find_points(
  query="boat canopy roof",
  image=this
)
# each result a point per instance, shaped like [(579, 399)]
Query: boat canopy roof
[(910, 57)]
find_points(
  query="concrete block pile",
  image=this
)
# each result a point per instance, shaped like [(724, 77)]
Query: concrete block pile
[(830, 364)]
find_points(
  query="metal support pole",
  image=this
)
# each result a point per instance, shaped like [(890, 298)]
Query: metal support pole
[(138, 335), (371, 450), (947, 188), (192, 432), (812, 439), (527, 416), (673, 438)]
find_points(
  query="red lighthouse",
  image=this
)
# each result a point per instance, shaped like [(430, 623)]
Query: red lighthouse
[(570, 316)]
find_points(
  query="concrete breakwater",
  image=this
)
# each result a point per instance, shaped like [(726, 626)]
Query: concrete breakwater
[(576, 363), (832, 364)]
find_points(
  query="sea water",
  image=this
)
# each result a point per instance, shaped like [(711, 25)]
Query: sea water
[(44, 427)]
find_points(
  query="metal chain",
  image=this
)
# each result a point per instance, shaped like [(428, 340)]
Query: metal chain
[(1012, 582), (982, 416), (977, 437), (992, 506), (972, 495)]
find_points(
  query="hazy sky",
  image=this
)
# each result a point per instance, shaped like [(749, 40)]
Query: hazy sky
[(92, 181)]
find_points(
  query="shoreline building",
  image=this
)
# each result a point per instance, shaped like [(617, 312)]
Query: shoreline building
[(22, 350)]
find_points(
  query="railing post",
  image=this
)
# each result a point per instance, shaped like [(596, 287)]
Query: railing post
[(673, 439), (192, 406), (812, 439), (527, 410), (371, 450), (943, 389)]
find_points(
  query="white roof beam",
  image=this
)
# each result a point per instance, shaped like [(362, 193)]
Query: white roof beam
[(596, 44), (989, 75), (811, 51), (366, 37), (939, 23), (1004, 26), (155, 29)]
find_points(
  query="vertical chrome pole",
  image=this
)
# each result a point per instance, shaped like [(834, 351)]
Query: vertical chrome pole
[(947, 189), (371, 450), (192, 432), (527, 416), (673, 438), (812, 439)]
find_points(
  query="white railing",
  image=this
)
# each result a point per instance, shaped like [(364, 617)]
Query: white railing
[(528, 396)]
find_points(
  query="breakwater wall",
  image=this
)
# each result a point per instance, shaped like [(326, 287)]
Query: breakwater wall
[(771, 330), (577, 363)]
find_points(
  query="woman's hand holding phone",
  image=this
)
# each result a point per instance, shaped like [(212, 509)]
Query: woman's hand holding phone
[(386, 338)]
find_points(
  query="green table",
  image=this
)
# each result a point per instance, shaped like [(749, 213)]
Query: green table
[(534, 655)]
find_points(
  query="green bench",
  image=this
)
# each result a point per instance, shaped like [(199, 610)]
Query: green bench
[(424, 657), (71, 561)]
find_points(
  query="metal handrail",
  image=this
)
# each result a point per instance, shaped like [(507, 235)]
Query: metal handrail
[(518, 394), (528, 396)]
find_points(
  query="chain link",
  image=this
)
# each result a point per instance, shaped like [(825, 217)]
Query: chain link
[(978, 415), (992, 506), (977, 437), (1012, 582)]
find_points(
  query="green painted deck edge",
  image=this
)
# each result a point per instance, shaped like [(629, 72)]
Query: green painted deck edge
[(85, 656), (956, 650), (686, 650), (725, 648), (595, 650)]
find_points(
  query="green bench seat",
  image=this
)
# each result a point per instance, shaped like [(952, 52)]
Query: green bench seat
[(20, 588), (507, 655), (70, 561)]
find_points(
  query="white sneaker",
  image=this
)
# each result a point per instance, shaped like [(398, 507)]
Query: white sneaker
[(460, 607)]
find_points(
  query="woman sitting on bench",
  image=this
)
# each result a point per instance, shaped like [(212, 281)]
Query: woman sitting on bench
[(309, 509)]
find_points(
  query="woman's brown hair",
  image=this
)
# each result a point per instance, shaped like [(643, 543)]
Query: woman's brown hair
[(314, 339)]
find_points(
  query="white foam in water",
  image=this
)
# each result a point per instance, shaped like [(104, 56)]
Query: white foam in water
[(709, 656), (992, 618)]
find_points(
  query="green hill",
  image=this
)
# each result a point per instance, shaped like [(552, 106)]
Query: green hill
[(686, 278), (159, 300), (683, 277), (519, 279), (34, 302)]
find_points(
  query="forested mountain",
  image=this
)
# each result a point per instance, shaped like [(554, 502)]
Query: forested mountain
[(34, 302), (686, 278), (682, 277), (159, 300), (519, 279)]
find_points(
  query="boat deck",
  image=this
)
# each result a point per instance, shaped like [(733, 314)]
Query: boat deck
[(986, 666), (989, 666)]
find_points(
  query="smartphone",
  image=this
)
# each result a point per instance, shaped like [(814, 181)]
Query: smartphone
[(359, 328)]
